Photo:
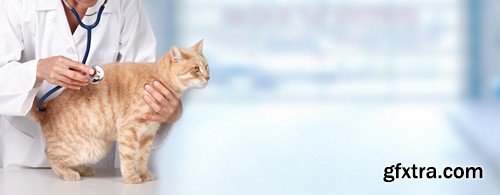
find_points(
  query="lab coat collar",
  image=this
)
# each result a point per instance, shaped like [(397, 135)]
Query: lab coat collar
[(48, 5), (56, 10)]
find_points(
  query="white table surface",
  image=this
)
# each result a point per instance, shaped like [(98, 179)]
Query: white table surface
[(289, 148), (44, 181)]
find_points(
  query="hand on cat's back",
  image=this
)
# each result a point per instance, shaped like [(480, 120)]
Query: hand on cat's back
[(166, 106)]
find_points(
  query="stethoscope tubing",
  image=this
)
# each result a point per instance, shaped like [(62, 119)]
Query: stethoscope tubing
[(87, 50)]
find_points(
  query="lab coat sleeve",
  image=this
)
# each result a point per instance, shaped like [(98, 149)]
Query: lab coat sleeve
[(17, 80), (161, 135), (137, 41)]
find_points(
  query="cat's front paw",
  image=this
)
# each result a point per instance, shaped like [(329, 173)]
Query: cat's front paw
[(134, 179), (146, 176)]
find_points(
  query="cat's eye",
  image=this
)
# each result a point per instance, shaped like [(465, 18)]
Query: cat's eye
[(197, 69)]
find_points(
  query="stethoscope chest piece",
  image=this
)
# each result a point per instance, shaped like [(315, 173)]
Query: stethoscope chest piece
[(99, 72), (98, 75)]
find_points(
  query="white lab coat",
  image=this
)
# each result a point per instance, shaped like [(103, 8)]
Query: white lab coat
[(35, 29)]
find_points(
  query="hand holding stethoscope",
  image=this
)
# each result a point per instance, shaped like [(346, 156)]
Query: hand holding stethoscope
[(61, 70)]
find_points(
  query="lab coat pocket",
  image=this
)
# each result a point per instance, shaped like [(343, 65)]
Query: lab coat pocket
[(16, 144)]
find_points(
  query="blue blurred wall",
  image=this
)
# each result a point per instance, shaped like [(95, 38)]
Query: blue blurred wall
[(345, 50), (484, 48)]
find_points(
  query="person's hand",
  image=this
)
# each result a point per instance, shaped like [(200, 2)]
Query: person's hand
[(59, 70), (167, 108)]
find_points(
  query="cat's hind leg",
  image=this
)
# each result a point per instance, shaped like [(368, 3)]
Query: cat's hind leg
[(67, 156), (85, 171), (61, 160), (65, 172)]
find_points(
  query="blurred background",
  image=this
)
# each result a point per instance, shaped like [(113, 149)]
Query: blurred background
[(319, 96)]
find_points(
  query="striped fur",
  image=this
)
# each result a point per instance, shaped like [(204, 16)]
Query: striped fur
[(79, 127)]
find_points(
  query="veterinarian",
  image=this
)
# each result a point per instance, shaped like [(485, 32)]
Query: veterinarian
[(41, 46)]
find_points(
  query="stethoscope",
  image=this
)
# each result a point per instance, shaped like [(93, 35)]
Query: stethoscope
[(98, 70)]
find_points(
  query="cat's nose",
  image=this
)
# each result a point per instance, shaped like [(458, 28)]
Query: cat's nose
[(207, 78)]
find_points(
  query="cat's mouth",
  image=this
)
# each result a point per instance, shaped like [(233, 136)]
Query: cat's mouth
[(200, 85), (204, 84)]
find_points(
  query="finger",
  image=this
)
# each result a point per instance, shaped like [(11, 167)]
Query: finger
[(75, 82), (60, 76), (156, 95), (164, 90), (68, 81), (73, 87), (74, 75), (150, 117), (152, 103), (62, 84), (79, 67)]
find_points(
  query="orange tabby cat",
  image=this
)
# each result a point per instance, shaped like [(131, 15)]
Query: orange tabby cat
[(80, 126)]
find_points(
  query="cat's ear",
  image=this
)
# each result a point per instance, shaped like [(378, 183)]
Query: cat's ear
[(175, 53), (198, 47)]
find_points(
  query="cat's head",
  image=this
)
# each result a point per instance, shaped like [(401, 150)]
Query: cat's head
[(189, 68)]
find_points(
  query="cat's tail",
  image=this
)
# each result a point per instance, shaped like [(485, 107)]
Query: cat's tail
[(33, 113)]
